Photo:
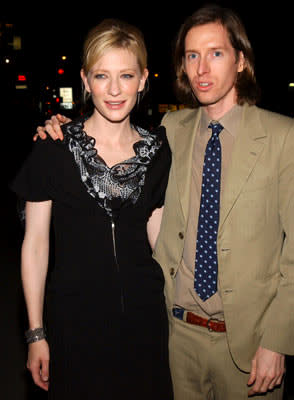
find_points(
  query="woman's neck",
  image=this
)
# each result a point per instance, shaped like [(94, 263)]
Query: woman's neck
[(114, 140), (112, 133)]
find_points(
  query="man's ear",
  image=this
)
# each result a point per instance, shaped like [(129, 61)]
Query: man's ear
[(241, 62)]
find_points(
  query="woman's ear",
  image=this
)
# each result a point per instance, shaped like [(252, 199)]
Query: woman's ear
[(143, 80), (85, 81)]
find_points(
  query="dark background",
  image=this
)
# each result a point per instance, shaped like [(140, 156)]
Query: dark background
[(48, 32)]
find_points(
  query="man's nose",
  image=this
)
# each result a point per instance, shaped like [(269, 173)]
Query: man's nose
[(203, 66)]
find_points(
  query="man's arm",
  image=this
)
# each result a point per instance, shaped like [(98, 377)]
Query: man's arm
[(52, 127), (268, 364), (267, 371)]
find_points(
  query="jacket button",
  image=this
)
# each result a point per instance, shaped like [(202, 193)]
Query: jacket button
[(172, 271), (181, 235)]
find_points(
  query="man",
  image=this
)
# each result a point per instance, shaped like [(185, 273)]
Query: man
[(231, 323), (230, 334)]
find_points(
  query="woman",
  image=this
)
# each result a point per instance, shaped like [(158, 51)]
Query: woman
[(103, 185)]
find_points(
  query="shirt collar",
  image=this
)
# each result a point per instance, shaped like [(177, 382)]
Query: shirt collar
[(230, 121)]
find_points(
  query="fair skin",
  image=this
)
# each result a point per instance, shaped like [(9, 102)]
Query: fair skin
[(113, 81), (34, 264), (211, 66)]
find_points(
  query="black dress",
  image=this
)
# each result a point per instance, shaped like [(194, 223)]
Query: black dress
[(106, 317)]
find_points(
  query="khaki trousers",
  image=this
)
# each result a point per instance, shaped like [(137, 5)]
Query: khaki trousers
[(202, 367)]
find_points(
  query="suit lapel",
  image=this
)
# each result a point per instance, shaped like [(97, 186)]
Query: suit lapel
[(184, 145), (247, 149)]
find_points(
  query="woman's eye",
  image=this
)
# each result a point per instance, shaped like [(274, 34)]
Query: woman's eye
[(127, 76), (100, 76)]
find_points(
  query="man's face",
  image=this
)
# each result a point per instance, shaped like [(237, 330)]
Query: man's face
[(211, 66)]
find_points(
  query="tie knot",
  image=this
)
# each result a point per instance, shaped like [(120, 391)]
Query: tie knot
[(216, 128)]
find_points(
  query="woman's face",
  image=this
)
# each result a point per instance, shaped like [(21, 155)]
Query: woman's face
[(114, 82)]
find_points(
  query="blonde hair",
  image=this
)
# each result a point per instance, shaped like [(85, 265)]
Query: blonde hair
[(113, 34)]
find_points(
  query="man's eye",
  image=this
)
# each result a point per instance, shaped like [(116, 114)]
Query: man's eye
[(191, 56), (217, 53)]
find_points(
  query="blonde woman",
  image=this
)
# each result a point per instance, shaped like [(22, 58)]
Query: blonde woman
[(105, 333)]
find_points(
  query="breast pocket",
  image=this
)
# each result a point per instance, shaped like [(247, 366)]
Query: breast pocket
[(258, 182), (257, 209)]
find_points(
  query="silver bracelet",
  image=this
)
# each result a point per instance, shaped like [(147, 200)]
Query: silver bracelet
[(34, 335)]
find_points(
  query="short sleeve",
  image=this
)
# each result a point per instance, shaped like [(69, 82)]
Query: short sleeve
[(32, 182), (160, 171)]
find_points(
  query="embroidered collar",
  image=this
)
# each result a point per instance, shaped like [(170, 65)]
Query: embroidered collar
[(117, 186)]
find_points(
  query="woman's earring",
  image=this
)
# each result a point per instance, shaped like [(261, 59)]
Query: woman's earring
[(139, 98)]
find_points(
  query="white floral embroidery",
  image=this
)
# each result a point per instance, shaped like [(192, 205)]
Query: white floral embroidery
[(117, 186)]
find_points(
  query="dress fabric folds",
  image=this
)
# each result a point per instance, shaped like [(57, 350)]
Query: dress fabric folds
[(105, 313)]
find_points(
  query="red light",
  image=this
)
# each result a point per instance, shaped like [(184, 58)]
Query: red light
[(21, 78), (60, 71), (57, 99)]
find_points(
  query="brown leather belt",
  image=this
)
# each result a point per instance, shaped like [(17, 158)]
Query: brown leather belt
[(211, 324)]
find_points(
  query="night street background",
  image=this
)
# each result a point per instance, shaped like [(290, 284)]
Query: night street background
[(49, 32)]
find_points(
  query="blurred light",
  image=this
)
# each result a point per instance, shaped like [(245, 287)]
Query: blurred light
[(291, 84), (21, 78), (156, 75), (47, 88), (7, 60), (63, 58), (60, 71), (16, 43), (57, 100)]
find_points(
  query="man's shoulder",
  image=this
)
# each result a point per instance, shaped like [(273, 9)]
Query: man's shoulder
[(271, 120), (174, 120), (183, 115)]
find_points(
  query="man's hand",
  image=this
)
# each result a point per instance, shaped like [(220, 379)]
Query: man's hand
[(267, 370), (38, 363), (52, 127)]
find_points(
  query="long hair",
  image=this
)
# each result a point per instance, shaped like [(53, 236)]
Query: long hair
[(246, 85)]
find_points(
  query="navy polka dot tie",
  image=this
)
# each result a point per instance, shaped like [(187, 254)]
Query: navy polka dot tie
[(205, 282)]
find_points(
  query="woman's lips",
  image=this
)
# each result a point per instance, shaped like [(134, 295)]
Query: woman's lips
[(115, 105)]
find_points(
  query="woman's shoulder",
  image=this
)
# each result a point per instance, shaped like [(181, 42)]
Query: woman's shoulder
[(154, 135), (155, 139), (46, 146), (74, 128)]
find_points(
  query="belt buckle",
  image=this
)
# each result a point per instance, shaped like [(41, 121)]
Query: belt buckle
[(211, 320)]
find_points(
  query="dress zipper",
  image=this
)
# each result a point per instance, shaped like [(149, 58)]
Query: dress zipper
[(116, 261)]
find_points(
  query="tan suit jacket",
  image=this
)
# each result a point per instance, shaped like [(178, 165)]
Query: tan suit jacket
[(256, 229)]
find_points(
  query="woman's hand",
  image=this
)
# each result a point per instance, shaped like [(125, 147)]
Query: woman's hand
[(52, 127), (38, 363)]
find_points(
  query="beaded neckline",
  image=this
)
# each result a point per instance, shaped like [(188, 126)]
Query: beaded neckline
[(121, 184)]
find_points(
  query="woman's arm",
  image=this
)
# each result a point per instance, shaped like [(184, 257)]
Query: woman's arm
[(153, 226), (34, 265)]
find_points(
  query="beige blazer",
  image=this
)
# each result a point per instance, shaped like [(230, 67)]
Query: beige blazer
[(256, 229)]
